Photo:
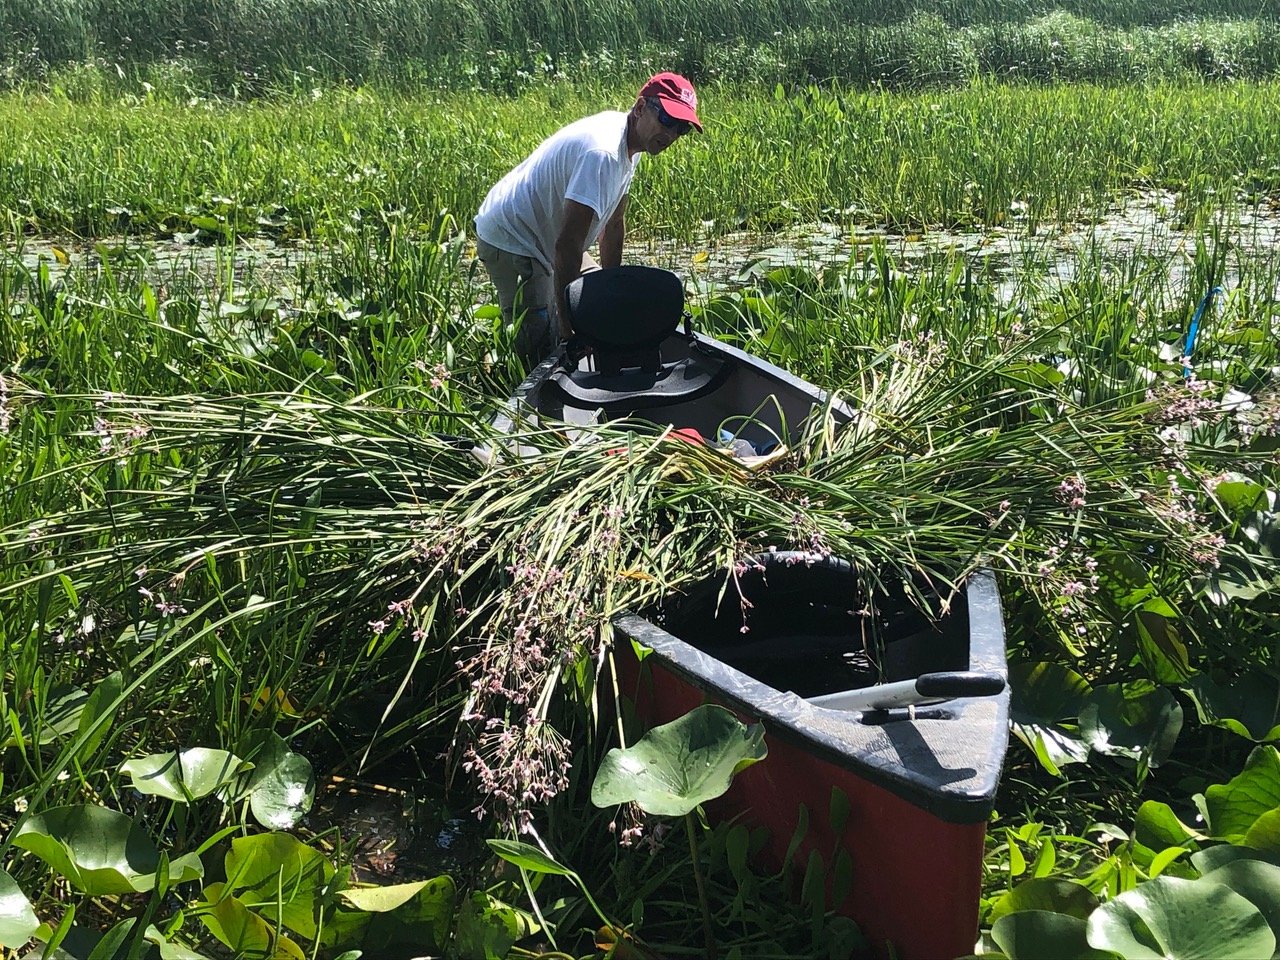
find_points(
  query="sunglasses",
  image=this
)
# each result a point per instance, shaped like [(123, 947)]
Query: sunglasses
[(680, 126)]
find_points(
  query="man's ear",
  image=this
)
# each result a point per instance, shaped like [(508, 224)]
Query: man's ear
[(637, 108)]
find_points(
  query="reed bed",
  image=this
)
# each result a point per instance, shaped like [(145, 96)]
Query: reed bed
[(252, 47)]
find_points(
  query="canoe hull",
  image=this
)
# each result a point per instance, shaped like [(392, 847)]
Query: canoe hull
[(920, 784), (915, 879)]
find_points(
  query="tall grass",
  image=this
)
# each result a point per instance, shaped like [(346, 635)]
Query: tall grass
[(251, 47), (327, 166)]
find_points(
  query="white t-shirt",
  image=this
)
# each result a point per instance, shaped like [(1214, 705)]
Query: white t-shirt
[(586, 161)]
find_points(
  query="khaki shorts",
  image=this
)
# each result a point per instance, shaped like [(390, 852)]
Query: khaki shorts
[(525, 294)]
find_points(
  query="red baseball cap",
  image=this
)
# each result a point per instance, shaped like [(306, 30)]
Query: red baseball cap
[(676, 94)]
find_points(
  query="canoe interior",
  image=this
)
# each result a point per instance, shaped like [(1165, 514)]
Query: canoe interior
[(757, 402), (810, 630)]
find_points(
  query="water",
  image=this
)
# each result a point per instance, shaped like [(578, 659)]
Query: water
[(1146, 226)]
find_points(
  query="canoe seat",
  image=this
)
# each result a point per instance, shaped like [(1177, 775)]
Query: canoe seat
[(624, 314)]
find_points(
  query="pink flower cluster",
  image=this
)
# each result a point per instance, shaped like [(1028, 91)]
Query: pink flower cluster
[(542, 624), (1186, 402), (163, 606), (6, 414), (1071, 491), (516, 767), (121, 439)]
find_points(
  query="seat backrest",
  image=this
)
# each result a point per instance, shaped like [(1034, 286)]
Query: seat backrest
[(627, 308)]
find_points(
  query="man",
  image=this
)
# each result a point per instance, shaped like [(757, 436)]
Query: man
[(536, 224)]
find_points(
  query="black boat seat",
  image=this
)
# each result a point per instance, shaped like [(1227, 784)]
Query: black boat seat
[(624, 314)]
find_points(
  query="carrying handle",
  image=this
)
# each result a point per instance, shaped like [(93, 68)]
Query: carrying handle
[(959, 683), (926, 688)]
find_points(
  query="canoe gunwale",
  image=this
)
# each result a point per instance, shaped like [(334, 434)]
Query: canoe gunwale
[(894, 749)]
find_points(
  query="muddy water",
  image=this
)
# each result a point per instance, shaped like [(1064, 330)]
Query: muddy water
[(1145, 227), (1148, 227)]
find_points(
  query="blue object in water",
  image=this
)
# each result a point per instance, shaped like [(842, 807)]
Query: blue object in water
[(1190, 342)]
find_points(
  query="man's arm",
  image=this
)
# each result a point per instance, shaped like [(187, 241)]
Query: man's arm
[(568, 256), (611, 237)]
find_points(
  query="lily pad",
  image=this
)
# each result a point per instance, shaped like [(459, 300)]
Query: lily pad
[(1043, 694), (1212, 858), (1044, 935), (676, 766), (100, 851), (285, 794), (420, 913), (1187, 919), (1139, 721), (1047, 894), (18, 921), (1234, 808), (183, 776), (280, 873), (247, 934), (1257, 882), (1249, 706)]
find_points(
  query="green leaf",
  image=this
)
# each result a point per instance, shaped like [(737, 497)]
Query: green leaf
[(1162, 860), (113, 944), (1263, 528), (1134, 720), (1162, 650), (282, 875), (1257, 882), (1157, 826), (1123, 579), (1044, 935), (100, 705), (1234, 807), (18, 921), (382, 899), (676, 766), (1054, 747), (1265, 832), (1240, 496), (1187, 919), (528, 857), (284, 795), (242, 930), (842, 938), (408, 913), (1249, 706), (1213, 858), (60, 718), (100, 851), (1042, 694), (489, 928), (183, 776), (1025, 373), (1046, 893)]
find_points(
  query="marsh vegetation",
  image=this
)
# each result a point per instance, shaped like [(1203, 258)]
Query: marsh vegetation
[(252, 568)]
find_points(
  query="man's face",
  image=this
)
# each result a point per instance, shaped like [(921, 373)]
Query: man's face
[(655, 129)]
